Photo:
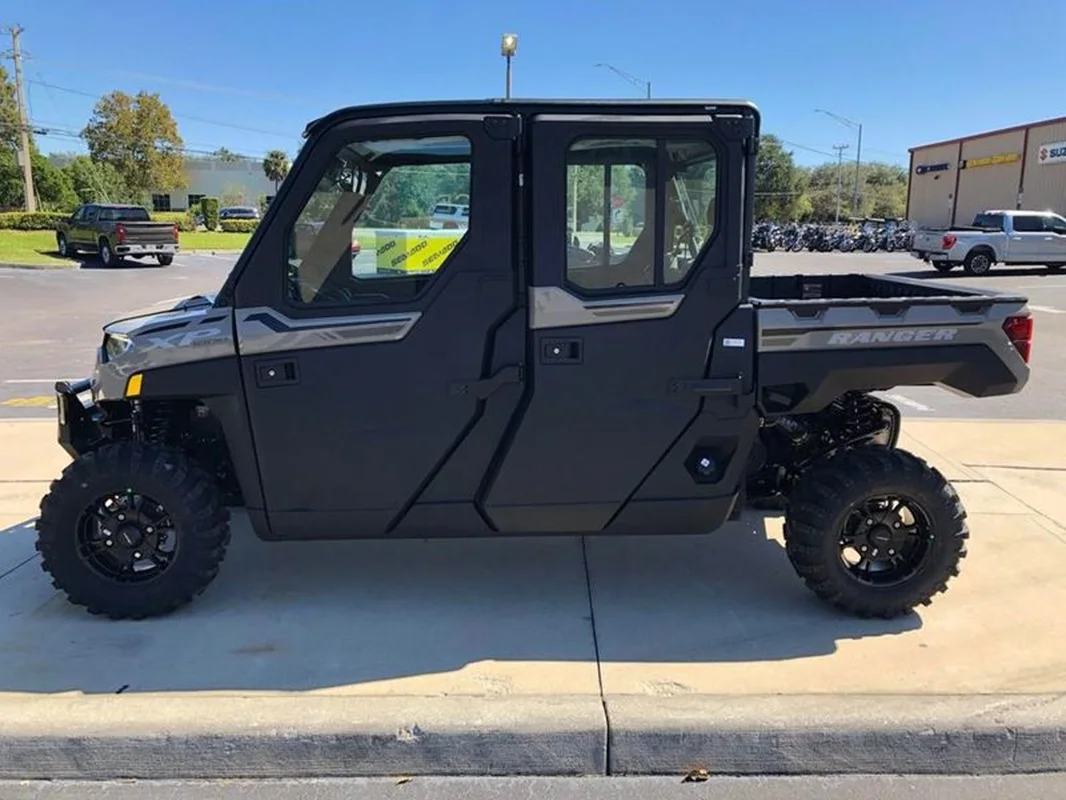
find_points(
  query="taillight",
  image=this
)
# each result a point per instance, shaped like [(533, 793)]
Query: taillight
[(177, 231), (948, 241), (120, 233), (1020, 332)]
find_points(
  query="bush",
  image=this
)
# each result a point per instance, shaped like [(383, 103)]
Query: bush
[(38, 221), (239, 225), (179, 218), (209, 208)]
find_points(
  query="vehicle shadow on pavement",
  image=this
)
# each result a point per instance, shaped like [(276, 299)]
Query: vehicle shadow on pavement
[(453, 616)]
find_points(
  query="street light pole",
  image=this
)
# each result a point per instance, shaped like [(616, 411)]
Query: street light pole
[(633, 79), (508, 48), (855, 126), (840, 148)]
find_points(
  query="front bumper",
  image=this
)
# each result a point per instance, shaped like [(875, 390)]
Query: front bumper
[(146, 249), (79, 423)]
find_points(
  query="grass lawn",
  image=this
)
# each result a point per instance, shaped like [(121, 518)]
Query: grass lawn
[(31, 247), (213, 240), (38, 248)]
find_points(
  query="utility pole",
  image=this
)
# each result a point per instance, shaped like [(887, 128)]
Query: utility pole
[(24, 123), (855, 126), (840, 148)]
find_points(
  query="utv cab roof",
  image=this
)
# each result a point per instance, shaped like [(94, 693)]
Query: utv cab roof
[(530, 107)]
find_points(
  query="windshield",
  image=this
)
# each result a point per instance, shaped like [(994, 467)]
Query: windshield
[(132, 214)]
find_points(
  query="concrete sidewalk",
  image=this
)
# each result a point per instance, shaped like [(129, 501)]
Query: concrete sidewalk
[(552, 656)]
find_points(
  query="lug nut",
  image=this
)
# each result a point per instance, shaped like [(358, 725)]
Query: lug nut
[(149, 529), (137, 555), (895, 524), (121, 517), (863, 548), (108, 542), (868, 522), (891, 552)]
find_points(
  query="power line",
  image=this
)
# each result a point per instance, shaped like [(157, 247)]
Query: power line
[(188, 84), (176, 114), (809, 149)]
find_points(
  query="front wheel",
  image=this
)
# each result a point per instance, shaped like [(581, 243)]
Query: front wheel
[(165, 261), (132, 531), (62, 246), (875, 531)]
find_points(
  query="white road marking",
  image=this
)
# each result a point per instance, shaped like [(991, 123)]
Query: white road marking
[(36, 380), (906, 401), (1047, 309)]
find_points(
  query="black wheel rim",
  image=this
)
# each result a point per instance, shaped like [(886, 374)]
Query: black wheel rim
[(885, 540), (127, 537)]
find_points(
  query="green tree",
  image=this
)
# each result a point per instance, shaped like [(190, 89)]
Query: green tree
[(96, 182), (225, 155), (9, 117), (137, 135), (276, 167), (232, 195), (778, 182)]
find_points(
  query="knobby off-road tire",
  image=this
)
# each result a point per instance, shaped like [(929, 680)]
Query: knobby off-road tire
[(155, 499), (830, 514)]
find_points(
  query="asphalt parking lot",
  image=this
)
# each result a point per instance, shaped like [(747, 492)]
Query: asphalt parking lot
[(50, 323)]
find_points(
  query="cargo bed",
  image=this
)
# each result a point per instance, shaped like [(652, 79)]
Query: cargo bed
[(820, 335)]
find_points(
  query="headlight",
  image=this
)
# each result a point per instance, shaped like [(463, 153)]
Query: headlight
[(116, 345)]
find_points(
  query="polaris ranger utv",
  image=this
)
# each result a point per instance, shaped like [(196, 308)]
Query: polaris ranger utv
[(495, 383)]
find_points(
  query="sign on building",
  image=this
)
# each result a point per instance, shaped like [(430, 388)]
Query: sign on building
[(1051, 153), (921, 169), (988, 161)]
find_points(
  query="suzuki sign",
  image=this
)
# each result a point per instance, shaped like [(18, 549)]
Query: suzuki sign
[(1051, 153)]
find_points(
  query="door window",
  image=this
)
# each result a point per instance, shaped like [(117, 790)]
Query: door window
[(619, 234), (367, 233), (1055, 224), (1028, 224)]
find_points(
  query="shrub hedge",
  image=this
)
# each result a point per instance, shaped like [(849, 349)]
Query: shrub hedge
[(38, 221), (239, 225), (209, 208)]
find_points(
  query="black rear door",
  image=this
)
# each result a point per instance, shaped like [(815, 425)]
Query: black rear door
[(375, 350), (641, 352)]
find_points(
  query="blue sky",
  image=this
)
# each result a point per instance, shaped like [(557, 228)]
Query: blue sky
[(248, 75)]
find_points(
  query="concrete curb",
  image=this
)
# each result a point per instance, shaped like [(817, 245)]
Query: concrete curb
[(834, 734), (272, 736), (211, 736)]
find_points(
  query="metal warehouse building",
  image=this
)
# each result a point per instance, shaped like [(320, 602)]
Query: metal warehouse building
[(1022, 168)]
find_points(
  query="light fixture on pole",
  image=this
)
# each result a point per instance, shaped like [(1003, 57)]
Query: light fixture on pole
[(633, 79), (855, 126), (508, 48)]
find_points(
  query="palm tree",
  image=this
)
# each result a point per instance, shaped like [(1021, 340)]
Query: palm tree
[(276, 166)]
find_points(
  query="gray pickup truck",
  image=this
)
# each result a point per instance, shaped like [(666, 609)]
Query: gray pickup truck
[(114, 232), (1016, 238)]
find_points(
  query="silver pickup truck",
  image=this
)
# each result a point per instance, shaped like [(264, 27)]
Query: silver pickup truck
[(1017, 238)]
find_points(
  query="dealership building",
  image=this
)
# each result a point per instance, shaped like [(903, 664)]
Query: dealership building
[(1021, 168)]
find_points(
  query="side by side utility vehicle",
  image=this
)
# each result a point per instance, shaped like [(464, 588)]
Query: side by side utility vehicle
[(499, 387)]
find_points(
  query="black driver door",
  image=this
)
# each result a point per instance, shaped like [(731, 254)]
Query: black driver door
[(368, 341)]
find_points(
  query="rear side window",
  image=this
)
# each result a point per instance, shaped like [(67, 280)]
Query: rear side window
[(1028, 224), (990, 221), (617, 238)]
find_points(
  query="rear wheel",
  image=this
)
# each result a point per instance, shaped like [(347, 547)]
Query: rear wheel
[(132, 531), (107, 255), (978, 262), (165, 261), (875, 531)]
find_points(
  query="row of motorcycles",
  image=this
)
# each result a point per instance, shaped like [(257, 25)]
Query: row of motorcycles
[(824, 238)]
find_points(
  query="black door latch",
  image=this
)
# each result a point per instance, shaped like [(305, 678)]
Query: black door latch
[(276, 373)]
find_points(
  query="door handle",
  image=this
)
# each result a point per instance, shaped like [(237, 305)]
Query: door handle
[(561, 351), (276, 373)]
